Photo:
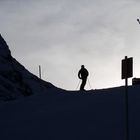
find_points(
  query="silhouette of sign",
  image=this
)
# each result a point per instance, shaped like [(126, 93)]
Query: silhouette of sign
[(127, 68), (127, 72)]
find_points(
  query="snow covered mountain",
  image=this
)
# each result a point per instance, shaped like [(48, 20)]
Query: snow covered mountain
[(55, 114), (15, 80)]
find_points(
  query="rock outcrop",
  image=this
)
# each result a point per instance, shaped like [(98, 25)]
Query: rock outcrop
[(15, 79)]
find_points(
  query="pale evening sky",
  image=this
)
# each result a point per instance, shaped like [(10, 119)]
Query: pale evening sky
[(61, 35)]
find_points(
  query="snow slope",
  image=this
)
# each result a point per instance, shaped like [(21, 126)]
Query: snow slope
[(71, 115), (15, 80), (50, 113)]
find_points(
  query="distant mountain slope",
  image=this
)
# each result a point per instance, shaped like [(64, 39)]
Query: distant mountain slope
[(15, 80)]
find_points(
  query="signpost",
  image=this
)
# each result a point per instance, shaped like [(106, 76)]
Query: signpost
[(127, 72), (39, 71)]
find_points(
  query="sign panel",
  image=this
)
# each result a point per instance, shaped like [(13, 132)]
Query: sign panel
[(127, 68)]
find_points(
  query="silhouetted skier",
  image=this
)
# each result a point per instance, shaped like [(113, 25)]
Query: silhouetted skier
[(138, 21), (83, 74)]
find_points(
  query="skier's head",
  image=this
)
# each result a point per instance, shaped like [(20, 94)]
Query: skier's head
[(82, 66)]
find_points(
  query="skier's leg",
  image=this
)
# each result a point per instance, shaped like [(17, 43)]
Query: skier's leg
[(83, 84)]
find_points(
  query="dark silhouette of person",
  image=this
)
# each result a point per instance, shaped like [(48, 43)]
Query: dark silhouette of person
[(83, 74), (138, 21)]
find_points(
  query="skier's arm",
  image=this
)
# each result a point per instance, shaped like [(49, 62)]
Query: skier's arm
[(87, 73), (79, 74)]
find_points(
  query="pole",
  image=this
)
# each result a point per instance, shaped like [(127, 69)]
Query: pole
[(78, 85), (89, 84), (39, 71), (126, 104)]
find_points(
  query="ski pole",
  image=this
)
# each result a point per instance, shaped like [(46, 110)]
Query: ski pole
[(89, 84), (78, 85)]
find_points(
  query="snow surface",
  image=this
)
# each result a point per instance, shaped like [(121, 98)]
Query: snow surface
[(71, 115)]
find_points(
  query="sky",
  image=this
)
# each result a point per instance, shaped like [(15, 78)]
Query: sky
[(62, 35)]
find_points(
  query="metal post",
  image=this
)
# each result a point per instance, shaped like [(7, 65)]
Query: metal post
[(39, 71), (127, 72), (126, 104)]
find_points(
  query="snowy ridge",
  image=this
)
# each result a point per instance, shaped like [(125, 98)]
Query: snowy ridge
[(4, 49), (15, 80), (72, 115)]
